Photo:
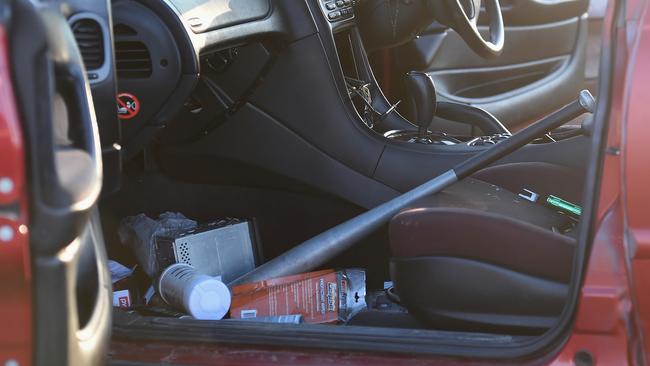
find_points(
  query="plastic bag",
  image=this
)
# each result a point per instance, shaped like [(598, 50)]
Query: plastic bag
[(139, 232)]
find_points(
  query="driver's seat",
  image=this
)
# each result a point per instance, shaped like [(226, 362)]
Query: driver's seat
[(476, 257)]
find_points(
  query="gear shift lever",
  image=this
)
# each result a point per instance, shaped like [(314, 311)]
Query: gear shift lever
[(421, 102), (421, 96)]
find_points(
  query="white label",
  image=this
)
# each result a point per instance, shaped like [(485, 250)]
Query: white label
[(245, 314), (122, 299)]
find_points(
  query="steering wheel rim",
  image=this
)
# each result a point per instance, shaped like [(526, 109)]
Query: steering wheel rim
[(462, 16)]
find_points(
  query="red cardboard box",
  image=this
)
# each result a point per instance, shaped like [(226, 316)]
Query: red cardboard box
[(122, 299), (326, 296)]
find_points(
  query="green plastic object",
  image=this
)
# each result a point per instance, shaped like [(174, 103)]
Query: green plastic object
[(564, 206)]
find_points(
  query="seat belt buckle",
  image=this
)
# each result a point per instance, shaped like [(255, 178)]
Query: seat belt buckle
[(529, 195)]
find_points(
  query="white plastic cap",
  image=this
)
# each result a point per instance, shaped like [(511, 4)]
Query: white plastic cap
[(208, 300)]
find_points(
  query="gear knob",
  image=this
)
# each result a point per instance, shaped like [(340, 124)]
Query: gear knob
[(421, 97)]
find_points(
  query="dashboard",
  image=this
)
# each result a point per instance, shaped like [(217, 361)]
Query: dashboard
[(144, 58), (208, 15), (162, 48)]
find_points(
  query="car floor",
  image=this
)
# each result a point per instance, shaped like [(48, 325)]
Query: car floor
[(282, 219)]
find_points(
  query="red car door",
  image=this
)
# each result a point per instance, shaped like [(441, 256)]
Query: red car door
[(51, 172)]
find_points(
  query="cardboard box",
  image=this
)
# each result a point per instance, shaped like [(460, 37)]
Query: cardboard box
[(326, 296)]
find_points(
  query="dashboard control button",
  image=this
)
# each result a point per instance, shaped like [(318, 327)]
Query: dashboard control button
[(334, 15), (330, 6), (340, 3)]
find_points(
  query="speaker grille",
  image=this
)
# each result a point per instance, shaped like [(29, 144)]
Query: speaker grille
[(184, 253)]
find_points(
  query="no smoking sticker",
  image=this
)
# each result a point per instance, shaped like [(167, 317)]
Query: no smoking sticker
[(128, 106)]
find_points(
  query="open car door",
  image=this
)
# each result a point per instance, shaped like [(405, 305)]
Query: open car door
[(71, 284), (542, 66)]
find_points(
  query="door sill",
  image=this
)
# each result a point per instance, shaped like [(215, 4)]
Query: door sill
[(131, 327)]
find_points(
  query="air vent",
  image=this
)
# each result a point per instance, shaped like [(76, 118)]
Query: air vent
[(90, 40), (132, 60)]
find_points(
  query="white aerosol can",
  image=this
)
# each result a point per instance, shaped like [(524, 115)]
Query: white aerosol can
[(203, 297)]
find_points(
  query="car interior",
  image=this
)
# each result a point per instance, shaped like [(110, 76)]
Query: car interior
[(301, 115)]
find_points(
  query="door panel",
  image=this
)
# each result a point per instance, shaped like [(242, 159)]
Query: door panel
[(531, 12), (438, 51), (542, 66), (71, 284)]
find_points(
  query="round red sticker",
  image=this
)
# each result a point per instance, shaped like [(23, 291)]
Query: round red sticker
[(128, 106)]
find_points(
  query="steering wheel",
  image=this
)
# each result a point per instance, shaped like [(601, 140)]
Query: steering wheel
[(462, 16)]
